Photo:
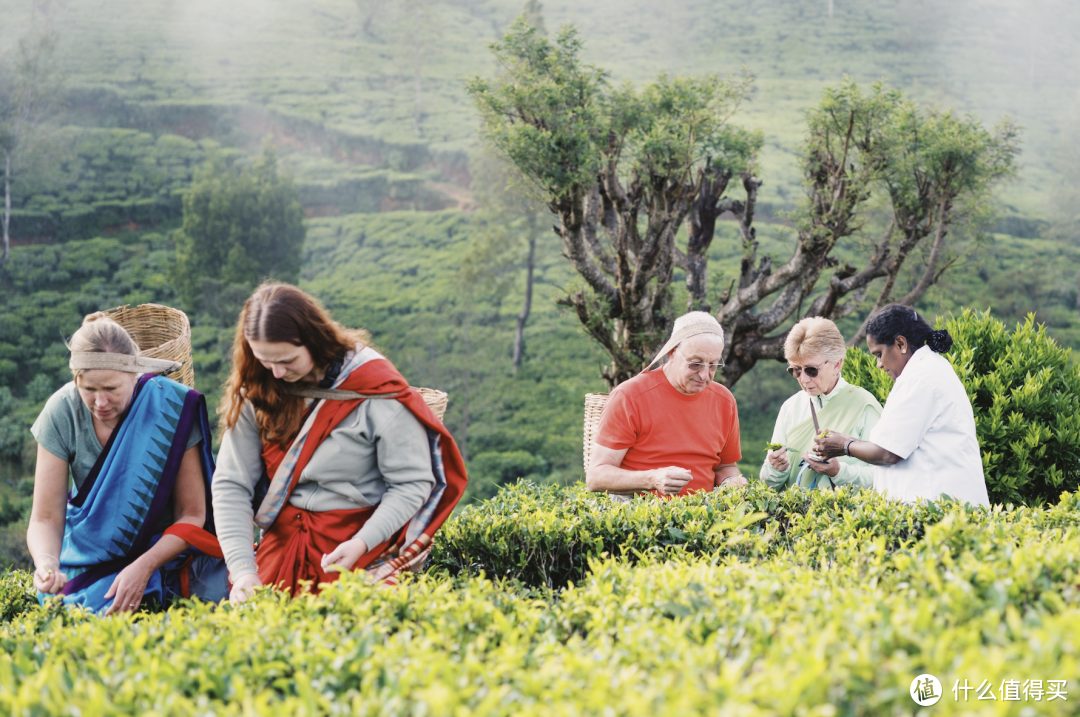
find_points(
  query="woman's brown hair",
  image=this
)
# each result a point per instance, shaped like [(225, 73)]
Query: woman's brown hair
[(280, 313)]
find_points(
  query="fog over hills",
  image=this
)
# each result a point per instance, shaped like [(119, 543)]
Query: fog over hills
[(386, 70)]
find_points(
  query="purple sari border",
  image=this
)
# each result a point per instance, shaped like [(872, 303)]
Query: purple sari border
[(92, 574), (161, 497), (91, 478), (169, 473)]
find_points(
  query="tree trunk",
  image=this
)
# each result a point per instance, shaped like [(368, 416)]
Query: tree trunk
[(468, 385), (523, 317), (416, 103), (7, 206), (915, 234), (416, 69), (700, 230)]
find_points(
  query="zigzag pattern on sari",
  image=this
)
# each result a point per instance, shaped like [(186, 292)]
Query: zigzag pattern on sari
[(367, 372), (117, 514)]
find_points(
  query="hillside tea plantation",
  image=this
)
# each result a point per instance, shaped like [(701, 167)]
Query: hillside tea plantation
[(738, 602)]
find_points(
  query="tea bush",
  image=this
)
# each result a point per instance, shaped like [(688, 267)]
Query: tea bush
[(1026, 396), (107, 177), (987, 597), (16, 594), (547, 536)]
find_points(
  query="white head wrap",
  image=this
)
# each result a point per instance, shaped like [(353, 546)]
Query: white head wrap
[(687, 325)]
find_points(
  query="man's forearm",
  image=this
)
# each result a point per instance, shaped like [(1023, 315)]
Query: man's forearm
[(873, 454), (725, 471), (611, 479)]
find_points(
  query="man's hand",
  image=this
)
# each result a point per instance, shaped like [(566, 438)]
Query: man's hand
[(346, 554), (669, 481), (128, 587), (778, 459), (736, 481), (244, 588)]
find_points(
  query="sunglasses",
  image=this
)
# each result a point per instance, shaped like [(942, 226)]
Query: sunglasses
[(811, 371)]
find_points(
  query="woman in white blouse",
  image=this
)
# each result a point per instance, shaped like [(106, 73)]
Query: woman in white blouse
[(924, 446)]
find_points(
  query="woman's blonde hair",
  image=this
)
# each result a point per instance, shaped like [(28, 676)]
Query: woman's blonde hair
[(815, 336), (99, 333)]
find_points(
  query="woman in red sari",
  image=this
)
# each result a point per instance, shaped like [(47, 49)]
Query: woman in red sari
[(327, 450)]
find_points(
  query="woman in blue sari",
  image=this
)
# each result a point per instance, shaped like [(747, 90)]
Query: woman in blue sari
[(136, 446)]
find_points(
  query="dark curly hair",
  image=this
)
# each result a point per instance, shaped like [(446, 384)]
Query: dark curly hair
[(894, 320)]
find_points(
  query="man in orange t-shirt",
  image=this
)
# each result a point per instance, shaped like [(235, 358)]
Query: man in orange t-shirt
[(672, 431)]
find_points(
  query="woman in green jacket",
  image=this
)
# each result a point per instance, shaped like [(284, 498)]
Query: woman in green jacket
[(815, 353)]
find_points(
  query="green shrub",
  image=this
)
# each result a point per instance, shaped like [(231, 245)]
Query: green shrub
[(984, 596), (547, 536), (490, 470), (240, 226), (17, 594), (1026, 397), (106, 178), (860, 369)]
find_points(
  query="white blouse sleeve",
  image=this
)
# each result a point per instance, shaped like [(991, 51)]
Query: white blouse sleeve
[(908, 414)]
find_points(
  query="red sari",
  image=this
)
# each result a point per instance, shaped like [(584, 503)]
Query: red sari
[(291, 551)]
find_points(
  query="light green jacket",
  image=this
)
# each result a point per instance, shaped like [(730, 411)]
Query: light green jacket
[(847, 409)]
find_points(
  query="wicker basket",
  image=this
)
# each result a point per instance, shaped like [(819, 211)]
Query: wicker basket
[(162, 333), (435, 399), (594, 406)]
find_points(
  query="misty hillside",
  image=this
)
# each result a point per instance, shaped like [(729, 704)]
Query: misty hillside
[(385, 79), (364, 102)]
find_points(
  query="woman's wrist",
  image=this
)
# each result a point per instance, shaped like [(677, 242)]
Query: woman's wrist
[(246, 567), (147, 562), (44, 560)]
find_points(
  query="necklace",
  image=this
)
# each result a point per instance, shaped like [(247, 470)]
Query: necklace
[(113, 426)]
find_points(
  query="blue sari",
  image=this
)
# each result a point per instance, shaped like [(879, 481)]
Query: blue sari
[(116, 515)]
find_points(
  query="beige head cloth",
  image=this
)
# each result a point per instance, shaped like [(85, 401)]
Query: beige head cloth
[(90, 360), (687, 325)]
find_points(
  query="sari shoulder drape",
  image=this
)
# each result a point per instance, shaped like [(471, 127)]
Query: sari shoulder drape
[(371, 374), (115, 515)]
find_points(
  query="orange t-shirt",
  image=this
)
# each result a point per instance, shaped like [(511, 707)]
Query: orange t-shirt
[(661, 427)]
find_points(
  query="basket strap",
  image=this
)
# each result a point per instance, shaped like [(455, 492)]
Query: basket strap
[(335, 394)]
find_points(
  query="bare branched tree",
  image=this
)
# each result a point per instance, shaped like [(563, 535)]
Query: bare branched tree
[(624, 169), (510, 224), (857, 143)]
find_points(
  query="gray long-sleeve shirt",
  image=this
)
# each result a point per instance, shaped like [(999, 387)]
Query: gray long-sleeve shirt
[(379, 455)]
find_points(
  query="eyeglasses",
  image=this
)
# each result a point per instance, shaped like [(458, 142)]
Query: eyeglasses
[(811, 371), (696, 366)]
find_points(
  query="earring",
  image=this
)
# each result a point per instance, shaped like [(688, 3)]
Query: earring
[(903, 351)]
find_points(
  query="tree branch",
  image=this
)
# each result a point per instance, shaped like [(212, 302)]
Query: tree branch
[(571, 214), (592, 241), (929, 274)]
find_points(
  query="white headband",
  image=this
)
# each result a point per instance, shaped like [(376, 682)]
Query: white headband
[(91, 360)]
